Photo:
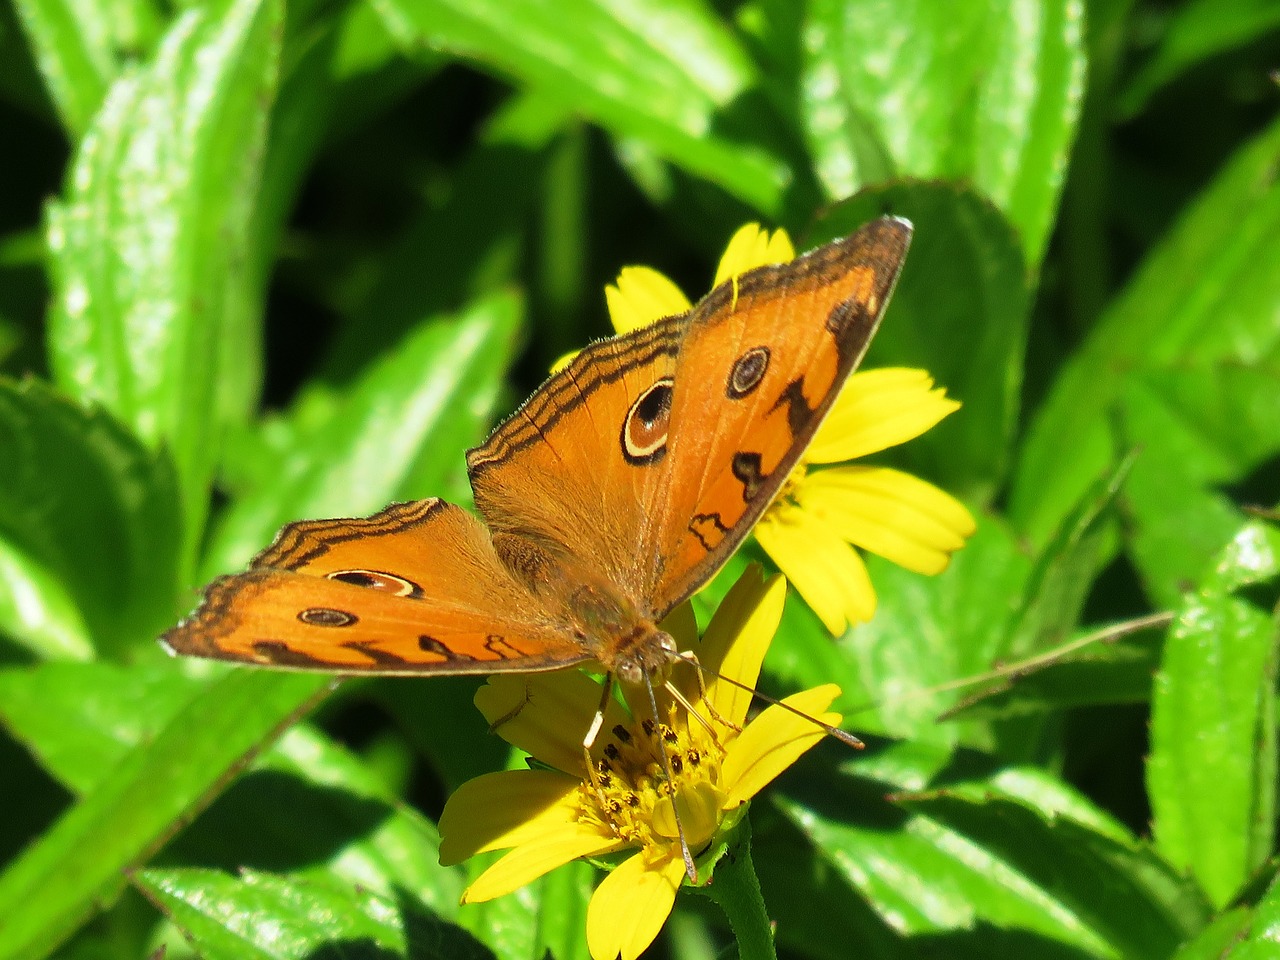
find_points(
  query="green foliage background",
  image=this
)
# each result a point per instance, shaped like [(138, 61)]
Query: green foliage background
[(263, 261)]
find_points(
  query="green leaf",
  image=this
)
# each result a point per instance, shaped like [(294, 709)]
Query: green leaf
[(1109, 664), (1259, 942), (1195, 32), (81, 720), (661, 75), (1015, 859), (1212, 420), (1098, 666), (312, 808), (897, 672), (1212, 769), (85, 507), (79, 863), (155, 315), (305, 799), (960, 311), (987, 93), (1197, 318), (37, 611), (1215, 941), (399, 433), (76, 48), (258, 916)]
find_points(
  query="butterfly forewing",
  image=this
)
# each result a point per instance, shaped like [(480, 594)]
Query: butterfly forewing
[(563, 480), (761, 363)]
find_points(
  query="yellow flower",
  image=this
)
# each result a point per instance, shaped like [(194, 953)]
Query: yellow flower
[(549, 816), (820, 516), (811, 529)]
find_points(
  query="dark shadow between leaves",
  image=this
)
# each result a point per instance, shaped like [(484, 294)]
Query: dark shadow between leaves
[(427, 937), (987, 942), (273, 821)]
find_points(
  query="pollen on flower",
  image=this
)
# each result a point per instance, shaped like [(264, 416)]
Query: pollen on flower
[(629, 793), (790, 486)]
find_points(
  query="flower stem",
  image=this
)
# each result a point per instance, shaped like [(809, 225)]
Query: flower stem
[(737, 889)]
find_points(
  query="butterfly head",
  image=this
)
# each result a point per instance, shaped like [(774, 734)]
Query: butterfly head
[(647, 653)]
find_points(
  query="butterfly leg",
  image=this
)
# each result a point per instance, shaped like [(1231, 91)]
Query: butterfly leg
[(690, 868), (589, 740), (688, 656), (513, 712)]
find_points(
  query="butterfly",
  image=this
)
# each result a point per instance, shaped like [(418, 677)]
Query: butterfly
[(613, 494)]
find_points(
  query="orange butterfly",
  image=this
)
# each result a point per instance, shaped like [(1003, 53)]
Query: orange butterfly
[(618, 489)]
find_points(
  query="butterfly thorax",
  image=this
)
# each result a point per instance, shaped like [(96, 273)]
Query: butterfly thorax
[(625, 642)]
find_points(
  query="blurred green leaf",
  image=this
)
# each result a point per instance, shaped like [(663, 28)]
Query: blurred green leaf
[(83, 502), (458, 251), (661, 74), (1197, 323), (73, 46), (1259, 941), (1196, 31), (960, 311), (81, 720), (222, 915), (78, 865), (1212, 769), (399, 433), (987, 93), (155, 316), (37, 611), (1217, 940)]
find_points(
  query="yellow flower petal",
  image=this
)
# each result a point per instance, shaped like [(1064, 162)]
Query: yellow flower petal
[(564, 361), (700, 808), (682, 625), (753, 247), (894, 514), (774, 741), (547, 714), (630, 906), (879, 409), (641, 296), (738, 638), (505, 809), (529, 861), (826, 571)]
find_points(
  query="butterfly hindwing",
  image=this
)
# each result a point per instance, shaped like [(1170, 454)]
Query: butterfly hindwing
[(413, 589)]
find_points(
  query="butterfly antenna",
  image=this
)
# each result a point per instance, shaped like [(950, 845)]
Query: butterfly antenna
[(689, 867), (848, 739)]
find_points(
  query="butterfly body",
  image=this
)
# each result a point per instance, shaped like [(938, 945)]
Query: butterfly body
[(614, 493)]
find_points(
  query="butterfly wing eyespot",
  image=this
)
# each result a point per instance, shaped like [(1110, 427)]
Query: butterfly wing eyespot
[(644, 429), (378, 580), (327, 617), (747, 372)]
